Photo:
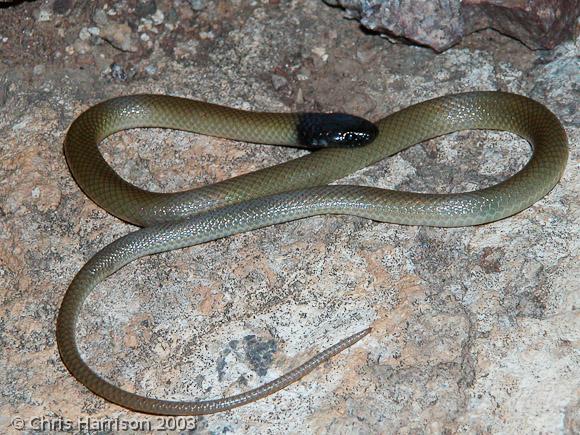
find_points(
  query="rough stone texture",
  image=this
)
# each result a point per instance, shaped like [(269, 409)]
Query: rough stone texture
[(474, 329), (539, 24)]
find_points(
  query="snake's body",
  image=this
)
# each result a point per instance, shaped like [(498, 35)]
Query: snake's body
[(282, 193)]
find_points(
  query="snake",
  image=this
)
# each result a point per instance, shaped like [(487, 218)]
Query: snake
[(293, 190)]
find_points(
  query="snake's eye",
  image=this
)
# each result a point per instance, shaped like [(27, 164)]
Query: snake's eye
[(323, 130)]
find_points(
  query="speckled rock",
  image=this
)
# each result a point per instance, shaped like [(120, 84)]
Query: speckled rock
[(539, 24), (475, 330)]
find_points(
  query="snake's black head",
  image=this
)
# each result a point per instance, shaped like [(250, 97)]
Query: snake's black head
[(324, 130)]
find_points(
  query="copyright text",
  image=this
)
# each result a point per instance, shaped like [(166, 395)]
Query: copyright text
[(83, 424)]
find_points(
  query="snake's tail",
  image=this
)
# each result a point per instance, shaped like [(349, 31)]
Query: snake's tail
[(114, 394)]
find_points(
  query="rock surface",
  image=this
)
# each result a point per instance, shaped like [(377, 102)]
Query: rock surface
[(475, 329), (539, 24)]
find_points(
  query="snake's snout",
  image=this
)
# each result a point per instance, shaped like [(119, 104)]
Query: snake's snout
[(325, 130)]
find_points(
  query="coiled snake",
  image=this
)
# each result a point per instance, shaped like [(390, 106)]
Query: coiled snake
[(289, 191)]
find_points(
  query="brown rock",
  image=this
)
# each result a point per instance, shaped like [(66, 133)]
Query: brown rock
[(539, 24)]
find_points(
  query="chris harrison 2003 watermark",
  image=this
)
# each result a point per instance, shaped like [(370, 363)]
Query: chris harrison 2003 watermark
[(117, 424)]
